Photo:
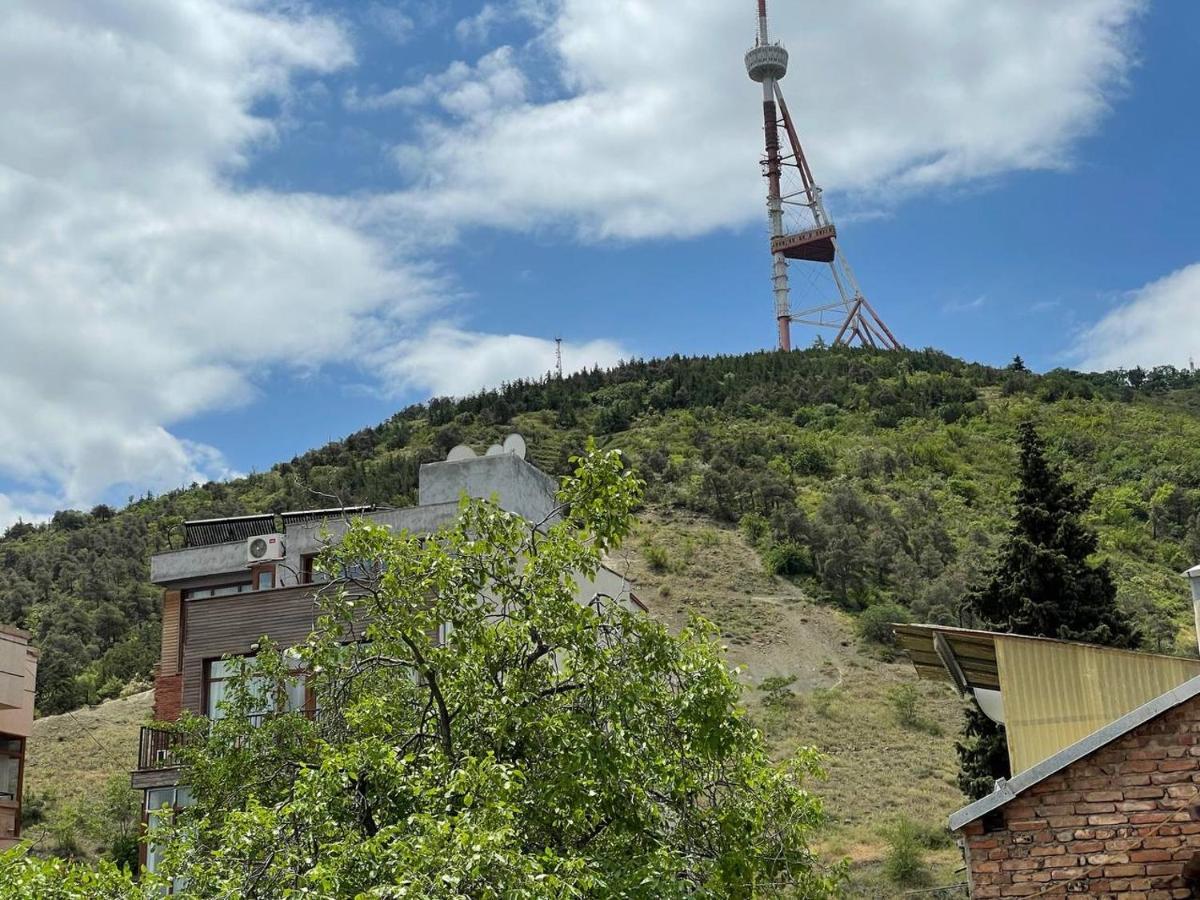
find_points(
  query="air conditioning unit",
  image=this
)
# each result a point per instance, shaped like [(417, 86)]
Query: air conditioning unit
[(264, 548)]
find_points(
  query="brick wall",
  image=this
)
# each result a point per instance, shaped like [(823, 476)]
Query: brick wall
[(1095, 828), (168, 696)]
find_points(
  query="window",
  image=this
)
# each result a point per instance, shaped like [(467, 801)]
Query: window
[(266, 579), (294, 696), (218, 590), (12, 753), (161, 806)]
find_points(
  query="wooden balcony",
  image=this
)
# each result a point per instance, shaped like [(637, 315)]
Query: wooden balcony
[(157, 762), (156, 749)]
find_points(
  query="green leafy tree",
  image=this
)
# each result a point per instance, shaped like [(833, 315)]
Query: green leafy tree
[(25, 877), (1044, 583), (533, 745)]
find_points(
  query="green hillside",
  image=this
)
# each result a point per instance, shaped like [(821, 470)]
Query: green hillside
[(861, 476)]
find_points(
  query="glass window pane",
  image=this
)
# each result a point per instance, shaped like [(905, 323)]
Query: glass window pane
[(10, 777), (216, 693), (223, 668), (296, 694), (261, 687)]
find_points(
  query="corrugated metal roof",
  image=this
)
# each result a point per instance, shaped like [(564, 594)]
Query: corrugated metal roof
[(1056, 694), (203, 532)]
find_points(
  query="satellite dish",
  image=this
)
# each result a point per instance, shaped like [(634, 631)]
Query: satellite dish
[(515, 444), (459, 453), (495, 450)]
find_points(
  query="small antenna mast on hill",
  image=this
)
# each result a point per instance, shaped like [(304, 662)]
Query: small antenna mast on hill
[(558, 357), (814, 237)]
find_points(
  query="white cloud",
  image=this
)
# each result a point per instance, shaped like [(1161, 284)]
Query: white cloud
[(477, 28), (392, 21), (1156, 325), (489, 87), (963, 306), (658, 133), (140, 287), (454, 363)]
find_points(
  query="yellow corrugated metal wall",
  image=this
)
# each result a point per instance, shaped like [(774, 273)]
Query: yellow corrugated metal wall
[(1055, 694)]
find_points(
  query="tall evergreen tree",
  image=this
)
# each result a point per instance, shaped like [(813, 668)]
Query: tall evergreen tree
[(1043, 584)]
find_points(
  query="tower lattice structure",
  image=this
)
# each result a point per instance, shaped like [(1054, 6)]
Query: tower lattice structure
[(801, 228)]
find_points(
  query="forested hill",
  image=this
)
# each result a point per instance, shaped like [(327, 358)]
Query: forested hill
[(865, 476)]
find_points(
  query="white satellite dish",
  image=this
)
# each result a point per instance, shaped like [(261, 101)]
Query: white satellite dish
[(515, 444), (459, 453), (494, 450)]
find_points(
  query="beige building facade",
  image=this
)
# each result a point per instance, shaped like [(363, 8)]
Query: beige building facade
[(18, 677)]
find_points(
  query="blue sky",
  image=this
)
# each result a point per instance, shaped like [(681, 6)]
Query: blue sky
[(240, 228)]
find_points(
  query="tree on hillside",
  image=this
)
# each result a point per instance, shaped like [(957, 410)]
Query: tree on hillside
[(1042, 584), (530, 746)]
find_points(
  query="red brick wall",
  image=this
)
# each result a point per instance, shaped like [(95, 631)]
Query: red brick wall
[(1095, 828), (168, 696)]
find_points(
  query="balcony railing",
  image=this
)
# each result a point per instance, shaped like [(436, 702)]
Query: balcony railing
[(156, 747)]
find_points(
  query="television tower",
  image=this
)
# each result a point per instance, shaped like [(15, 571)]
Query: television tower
[(800, 227)]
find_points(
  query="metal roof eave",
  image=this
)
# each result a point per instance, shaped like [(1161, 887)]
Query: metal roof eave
[(1023, 781)]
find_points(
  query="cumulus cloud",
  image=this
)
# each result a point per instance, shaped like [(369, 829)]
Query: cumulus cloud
[(655, 129), (453, 362), (477, 29), (495, 83), (140, 287), (1156, 325), (393, 21)]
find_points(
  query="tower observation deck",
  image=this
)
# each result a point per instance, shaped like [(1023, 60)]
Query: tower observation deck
[(801, 229)]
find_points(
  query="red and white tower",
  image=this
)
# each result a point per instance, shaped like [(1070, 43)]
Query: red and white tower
[(800, 227)]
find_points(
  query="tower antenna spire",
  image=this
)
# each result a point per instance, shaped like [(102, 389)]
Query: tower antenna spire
[(807, 233)]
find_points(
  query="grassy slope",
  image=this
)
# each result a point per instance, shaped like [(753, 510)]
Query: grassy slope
[(878, 769), (71, 756)]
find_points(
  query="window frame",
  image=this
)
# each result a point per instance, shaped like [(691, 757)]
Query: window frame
[(19, 755), (208, 591), (299, 672)]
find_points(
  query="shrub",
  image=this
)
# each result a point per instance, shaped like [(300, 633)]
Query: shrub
[(811, 458), (657, 557), (904, 863), (777, 689), (756, 528), (875, 623), (904, 701), (787, 559)]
